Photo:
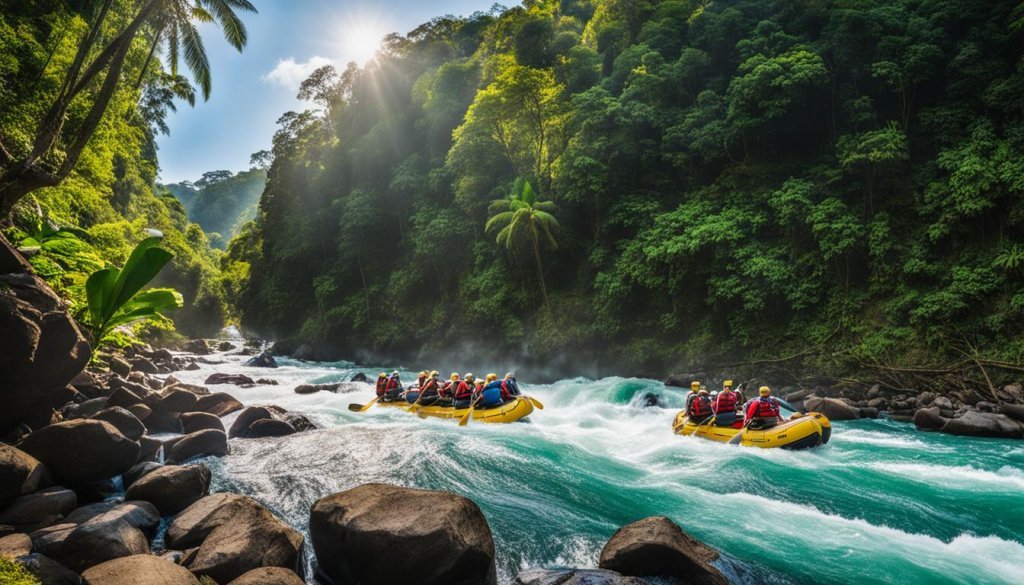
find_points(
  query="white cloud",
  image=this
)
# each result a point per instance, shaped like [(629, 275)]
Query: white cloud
[(290, 74)]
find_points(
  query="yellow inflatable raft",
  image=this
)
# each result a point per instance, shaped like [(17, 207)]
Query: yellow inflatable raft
[(801, 431), (509, 412)]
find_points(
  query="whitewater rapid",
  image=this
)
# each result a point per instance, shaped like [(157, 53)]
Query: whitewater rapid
[(881, 503)]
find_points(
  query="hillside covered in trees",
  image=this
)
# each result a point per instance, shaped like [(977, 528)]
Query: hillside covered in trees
[(221, 201), (839, 182)]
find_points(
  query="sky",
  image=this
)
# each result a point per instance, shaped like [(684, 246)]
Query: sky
[(288, 39)]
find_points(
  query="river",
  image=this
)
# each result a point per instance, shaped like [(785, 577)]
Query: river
[(881, 503)]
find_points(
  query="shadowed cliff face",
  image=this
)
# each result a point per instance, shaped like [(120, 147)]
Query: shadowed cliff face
[(41, 347)]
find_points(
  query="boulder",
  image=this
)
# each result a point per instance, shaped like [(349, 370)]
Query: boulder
[(198, 421), (657, 546), (138, 514), (798, 395), (193, 388), (1014, 411), (85, 409), (172, 488), (314, 388), (176, 400), (359, 377), (124, 421), (13, 546), (269, 576), (39, 509), (984, 424), (164, 421), (263, 360), (929, 419), (105, 537), (236, 379), (833, 408), (138, 471), (444, 537), (299, 421), (140, 411), (1012, 394), (942, 403), (197, 346), (48, 571), (141, 364), (41, 349), (140, 569), (225, 346), (218, 404), (82, 451), (20, 474), (868, 412), (150, 449), (234, 535), (269, 428), (198, 444), (684, 380), (574, 577), (120, 366), (246, 418), (123, 397)]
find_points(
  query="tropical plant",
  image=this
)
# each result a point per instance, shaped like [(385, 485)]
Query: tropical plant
[(524, 216), (114, 296), (23, 171), (59, 254)]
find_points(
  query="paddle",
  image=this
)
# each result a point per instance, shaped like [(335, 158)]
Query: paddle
[(469, 413), (739, 437), (363, 407), (536, 403), (416, 405), (707, 421)]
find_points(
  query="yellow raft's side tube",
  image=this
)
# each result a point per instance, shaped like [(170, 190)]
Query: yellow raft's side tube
[(506, 413), (801, 432)]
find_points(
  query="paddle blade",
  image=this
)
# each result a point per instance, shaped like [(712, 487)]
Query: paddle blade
[(355, 407), (737, 439), (369, 404), (465, 418), (536, 403)]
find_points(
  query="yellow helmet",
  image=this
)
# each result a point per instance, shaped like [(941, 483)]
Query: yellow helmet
[(694, 386), (727, 384), (383, 375), (423, 374), (434, 373), (455, 376), (492, 377), (479, 382), (469, 377), (765, 391)]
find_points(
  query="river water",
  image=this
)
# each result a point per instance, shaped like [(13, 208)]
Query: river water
[(881, 503)]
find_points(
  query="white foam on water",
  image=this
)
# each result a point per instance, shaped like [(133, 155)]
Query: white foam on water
[(966, 477), (879, 439)]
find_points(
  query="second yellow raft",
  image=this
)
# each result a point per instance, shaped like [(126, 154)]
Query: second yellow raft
[(802, 431), (509, 412)]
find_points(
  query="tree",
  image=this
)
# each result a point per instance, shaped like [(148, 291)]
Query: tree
[(524, 216), (24, 170)]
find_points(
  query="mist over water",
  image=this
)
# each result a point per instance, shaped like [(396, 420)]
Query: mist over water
[(881, 503)]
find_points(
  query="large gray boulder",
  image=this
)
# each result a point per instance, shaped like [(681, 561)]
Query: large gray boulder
[(574, 577), (47, 570), (82, 451), (245, 419), (197, 444), (929, 419), (172, 488), (269, 576), (833, 408), (140, 569), (985, 424), (199, 421), (111, 535), (123, 420), (13, 546), (656, 546), (39, 509), (218, 403), (269, 428), (41, 349), (443, 537), (20, 474), (234, 535)]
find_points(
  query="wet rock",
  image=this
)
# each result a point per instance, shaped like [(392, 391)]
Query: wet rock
[(798, 395), (942, 403), (47, 570), (103, 538), (444, 537), (218, 404), (198, 421), (359, 377), (120, 366), (175, 400), (268, 576), (246, 418), (164, 421), (1014, 411), (222, 378), (140, 569), (82, 451), (651, 400), (1012, 394), (299, 421), (39, 509), (984, 424), (225, 346), (13, 546), (834, 409), (267, 382), (657, 546), (141, 364), (874, 392), (138, 471), (263, 360), (172, 488), (683, 380), (86, 409), (868, 412), (269, 428), (123, 420), (20, 474), (879, 403), (138, 514), (88, 384), (314, 388), (139, 411), (574, 577), (197, 346), (925, 398), (198, 444), (150, 449), (123, 397), (234, 535), (199, 391)]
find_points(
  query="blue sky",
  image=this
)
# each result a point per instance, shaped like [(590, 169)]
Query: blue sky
[(287, 40)]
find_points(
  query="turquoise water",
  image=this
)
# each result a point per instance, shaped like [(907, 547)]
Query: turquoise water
[(881, 503)]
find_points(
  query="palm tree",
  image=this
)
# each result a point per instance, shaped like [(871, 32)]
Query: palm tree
[(170, 21), (524, 216)]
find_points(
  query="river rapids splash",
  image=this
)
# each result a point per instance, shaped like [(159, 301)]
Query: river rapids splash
[(881, 503)]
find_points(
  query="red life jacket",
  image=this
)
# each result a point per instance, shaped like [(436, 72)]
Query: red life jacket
[(763, 407), (700, 407), (381, 386), (446, 388), (393, 384), (429, 388), (725, 402), (505, 394), (463, 391)]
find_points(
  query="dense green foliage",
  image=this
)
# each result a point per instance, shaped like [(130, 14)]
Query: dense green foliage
[(11, 573), (221, 202), (109, 198), (734, 179)]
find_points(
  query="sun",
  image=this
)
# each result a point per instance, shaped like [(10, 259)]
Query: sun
[(361, 39)]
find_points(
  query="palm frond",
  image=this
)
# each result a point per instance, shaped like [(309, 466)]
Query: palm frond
[(232, 26), (195, 57), (498, 220)]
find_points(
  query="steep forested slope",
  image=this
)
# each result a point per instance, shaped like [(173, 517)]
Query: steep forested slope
[(835, 180), (222, 201)]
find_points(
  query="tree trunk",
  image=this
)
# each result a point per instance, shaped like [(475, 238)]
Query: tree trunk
[(366, 289), (540, 271)]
